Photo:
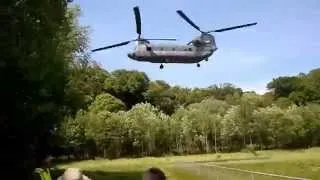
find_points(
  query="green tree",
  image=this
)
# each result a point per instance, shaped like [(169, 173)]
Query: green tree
[(102, 126), (248, 103), (231, 129), (129, 86), (311, 116), (72, 130), (144, 122), (97, 130), (177, 131), (181, 95), (116, 133), (283, 102), (197, 128), (209, 114), (106, 102), (266, 124), (223, 90), (34, 71), (86, 78), (312, 84), (233, 99), (268, 99), (85, 82), (160, 95), (283, 86)]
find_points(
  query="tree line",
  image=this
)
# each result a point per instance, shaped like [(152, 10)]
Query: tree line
[(108, 129), (59, 101)]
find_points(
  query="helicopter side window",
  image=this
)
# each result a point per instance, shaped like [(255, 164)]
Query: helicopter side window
[(161, 49), (190, 49), (173, 49), (149, 48)]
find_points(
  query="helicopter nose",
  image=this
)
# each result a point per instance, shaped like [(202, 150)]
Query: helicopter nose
[(131, 55)]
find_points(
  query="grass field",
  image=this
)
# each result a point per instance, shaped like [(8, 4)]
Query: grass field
[(301, 163)]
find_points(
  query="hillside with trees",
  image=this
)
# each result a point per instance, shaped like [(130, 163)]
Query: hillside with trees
[(58, 101)]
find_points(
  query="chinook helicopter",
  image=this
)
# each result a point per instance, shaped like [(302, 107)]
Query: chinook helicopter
[(197, 50)]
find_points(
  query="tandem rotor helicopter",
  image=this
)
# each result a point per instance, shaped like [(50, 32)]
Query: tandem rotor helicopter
[(199, 49)]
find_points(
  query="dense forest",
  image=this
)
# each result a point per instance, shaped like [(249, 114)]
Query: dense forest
[(133, 116), (58, 101)]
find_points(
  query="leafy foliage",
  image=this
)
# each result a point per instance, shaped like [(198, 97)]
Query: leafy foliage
[(300, 89), (283, 86), (128, 86), (106, 102), (208, 126), (33, 71), (160, 95), (86, 81)]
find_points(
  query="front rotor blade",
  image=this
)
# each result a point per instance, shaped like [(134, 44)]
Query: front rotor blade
[(111, 46), (233, 27), (188, 20), (138, 19)]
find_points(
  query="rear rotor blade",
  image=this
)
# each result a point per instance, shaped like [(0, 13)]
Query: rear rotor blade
[(233, 27), (188, 20), (111, 46), (138, 19)]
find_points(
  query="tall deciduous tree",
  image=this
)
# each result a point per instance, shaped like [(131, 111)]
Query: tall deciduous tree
[(86, 81), (249, 102), (34, 71), (265, 125), (283, 86), (160, 95), (106, 102), (129, 86)]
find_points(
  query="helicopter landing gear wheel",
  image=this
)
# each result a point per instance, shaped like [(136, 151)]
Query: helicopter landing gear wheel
[(161, 66), (198, 65)]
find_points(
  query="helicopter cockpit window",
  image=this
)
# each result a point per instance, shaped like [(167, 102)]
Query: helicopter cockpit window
[(149, 48), (190, 49), (208, 39), (173, 49)]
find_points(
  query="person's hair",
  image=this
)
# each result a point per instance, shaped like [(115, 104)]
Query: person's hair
[(72, 174), (157, 173)]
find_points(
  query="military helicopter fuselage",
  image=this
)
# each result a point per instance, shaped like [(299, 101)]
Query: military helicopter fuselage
[(200, 48)]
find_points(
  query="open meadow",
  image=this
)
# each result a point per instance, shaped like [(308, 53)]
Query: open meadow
[(297, 163)]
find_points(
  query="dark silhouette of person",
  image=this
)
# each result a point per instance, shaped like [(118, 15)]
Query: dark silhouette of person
[(154, 174), (43, 172)]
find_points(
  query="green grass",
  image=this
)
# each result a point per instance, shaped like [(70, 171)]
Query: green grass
[(302, 163), (298, 168)]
